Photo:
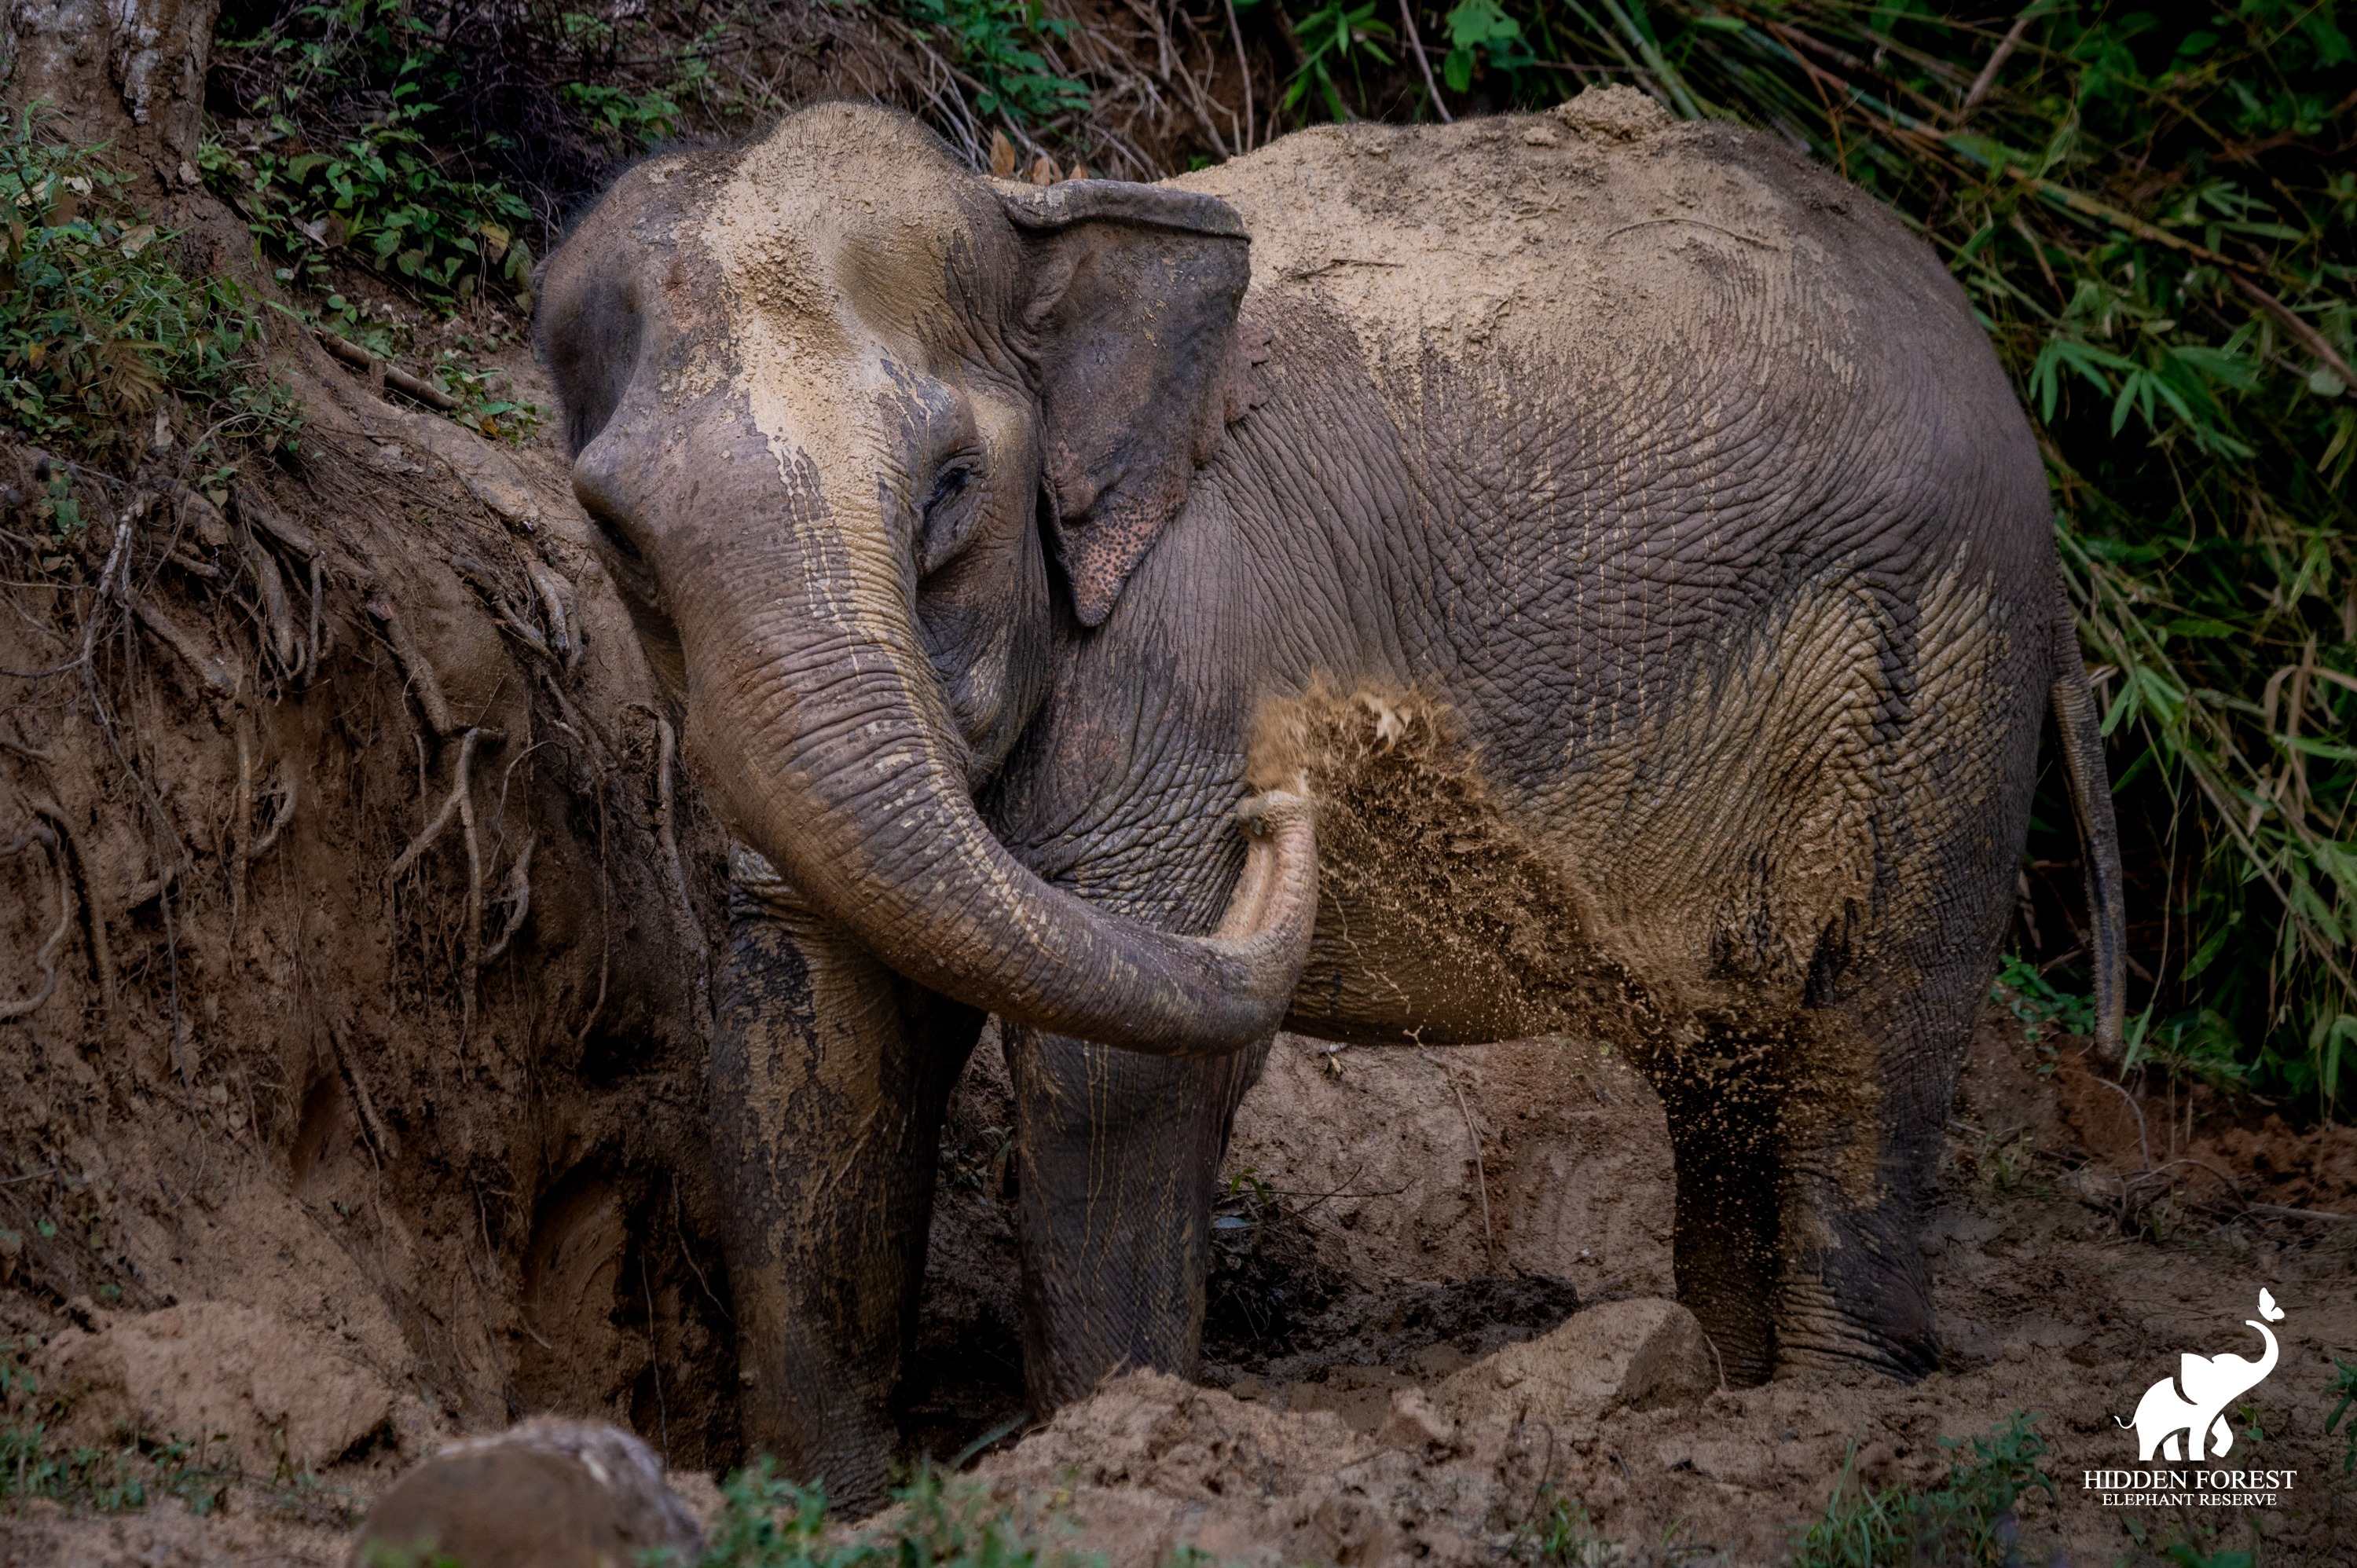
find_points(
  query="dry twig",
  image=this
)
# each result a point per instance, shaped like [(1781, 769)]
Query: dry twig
[(1415, 43), (394, 376)]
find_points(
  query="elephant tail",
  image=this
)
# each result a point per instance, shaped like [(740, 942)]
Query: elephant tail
[(2074, 703)]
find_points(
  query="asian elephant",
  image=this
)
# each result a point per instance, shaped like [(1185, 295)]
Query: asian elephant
[(1600, 561)]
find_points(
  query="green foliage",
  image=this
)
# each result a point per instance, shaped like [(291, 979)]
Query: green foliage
[(1969, 1520), (621, 118), (98, 321), (996, 44), (938, 1523), (1336, 36), (2024, 990), (380, 198), (427, 140), (2146, 209), (384, 1555), (2344, 1383), (1479, 32), (379, 193)]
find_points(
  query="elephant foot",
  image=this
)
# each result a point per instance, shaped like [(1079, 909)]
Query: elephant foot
[(853, 1464), (1889, 1329)]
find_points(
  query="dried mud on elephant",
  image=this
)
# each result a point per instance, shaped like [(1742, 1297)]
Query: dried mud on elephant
[(356, 953)]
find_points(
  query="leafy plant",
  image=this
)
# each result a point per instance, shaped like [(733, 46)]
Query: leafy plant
[(622, 119), (1560, 1535), (98, 322), (1479, 32), (2022, 987), (937, 1522), (1969, 1520), (431, 141), (996, 42), (379, 196)]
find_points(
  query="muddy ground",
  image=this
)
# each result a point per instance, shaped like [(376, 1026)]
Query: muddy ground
[(362, 1112), (1394, 1216)]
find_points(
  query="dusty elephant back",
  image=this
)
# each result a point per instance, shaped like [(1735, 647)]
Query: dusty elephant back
[(1585, 237)]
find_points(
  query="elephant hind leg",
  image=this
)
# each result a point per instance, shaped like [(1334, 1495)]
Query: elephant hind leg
[(1864, 1111), (1723, 1117)]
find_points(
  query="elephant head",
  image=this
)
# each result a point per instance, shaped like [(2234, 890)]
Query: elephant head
[(858, 427)]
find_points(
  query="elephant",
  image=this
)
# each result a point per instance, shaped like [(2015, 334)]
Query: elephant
[(1563, 574), (2191, 1423)]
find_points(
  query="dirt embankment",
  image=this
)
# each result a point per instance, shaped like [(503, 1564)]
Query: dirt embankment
[(374, 896)]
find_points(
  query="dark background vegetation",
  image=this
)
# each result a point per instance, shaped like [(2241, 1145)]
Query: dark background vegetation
[(2151, 210)]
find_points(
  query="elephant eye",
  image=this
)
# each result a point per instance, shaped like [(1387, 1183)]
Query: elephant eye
[(948, 487), (948, 514)]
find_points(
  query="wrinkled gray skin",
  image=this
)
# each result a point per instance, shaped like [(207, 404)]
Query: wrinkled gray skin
[(1622, 532)]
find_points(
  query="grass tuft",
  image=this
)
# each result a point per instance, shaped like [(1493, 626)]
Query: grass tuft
[(1968, 1521), (937, 1521)]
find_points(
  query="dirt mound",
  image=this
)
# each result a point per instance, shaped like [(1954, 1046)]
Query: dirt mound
[(269, 1391), (169, 1535)]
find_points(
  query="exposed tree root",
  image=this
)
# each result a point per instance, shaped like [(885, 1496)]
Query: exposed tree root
[(102, 950), (241, 822), (516, 896), (423, 684), (381, 1140), (47, 959), (210, 669), (557, 603), (283, 793), (456, 803)]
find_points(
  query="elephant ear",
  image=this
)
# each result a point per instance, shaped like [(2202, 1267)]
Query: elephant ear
[(1132, 323)]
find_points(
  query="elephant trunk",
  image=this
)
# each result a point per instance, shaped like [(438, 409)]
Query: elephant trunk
[(819, 725)]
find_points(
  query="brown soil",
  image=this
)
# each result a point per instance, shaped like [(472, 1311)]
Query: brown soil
[(2049, 1304), (276, 1185)]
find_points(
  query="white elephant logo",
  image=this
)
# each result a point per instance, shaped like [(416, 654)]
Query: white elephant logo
[(2190, 1412)]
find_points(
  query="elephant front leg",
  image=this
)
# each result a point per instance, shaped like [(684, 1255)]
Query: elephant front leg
[(1723, 1114), (830, 1078), (1118, 1162)]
